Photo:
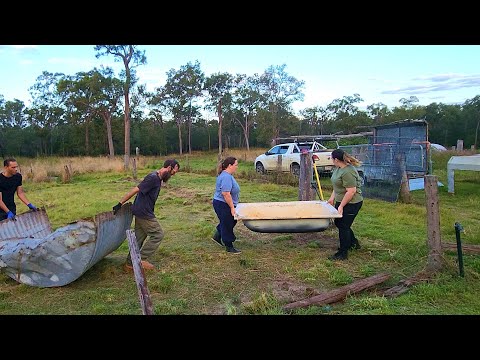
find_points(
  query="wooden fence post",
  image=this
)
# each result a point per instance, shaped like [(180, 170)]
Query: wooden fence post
[(279, 163), (405, 196), (434, 241), (143, 292), (305, 192), (134, 168), (459, 145)]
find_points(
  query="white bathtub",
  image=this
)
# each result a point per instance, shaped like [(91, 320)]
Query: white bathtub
[(286, 217)]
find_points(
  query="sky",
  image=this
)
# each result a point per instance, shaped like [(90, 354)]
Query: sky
[(448, 74)]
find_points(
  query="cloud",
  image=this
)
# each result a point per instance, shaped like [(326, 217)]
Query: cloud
[(22, 47), (18, 48), (152, 77), (440, 82)]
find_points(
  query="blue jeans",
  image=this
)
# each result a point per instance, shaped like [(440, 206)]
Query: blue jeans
[(227, 222)]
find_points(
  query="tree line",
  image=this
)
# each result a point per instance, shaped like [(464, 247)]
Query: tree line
[(96, 112)]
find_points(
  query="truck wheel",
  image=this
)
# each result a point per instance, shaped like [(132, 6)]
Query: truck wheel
[(296, 169), (259, 168)]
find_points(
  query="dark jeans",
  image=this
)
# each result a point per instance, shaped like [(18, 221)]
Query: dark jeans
[(345, 233), (227, 222)]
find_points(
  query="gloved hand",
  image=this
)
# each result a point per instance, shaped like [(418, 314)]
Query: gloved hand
[(10, 215), (116, 208), (32, 207)]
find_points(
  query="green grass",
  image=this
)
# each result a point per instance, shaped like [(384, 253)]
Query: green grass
[(196, 276)]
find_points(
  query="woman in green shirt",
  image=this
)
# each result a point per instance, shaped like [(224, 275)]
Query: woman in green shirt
[(347, 199)]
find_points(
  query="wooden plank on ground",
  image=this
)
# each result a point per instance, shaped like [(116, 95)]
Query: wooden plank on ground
[(466, 248), (340, 293)]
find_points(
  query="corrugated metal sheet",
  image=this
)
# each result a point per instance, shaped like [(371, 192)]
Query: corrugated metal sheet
[(61, 256), (32, 224)]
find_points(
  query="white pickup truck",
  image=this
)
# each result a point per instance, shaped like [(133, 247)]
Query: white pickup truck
[(290, 153)]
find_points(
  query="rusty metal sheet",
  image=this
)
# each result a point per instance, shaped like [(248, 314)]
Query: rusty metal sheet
[(64, 255), (286, 217)]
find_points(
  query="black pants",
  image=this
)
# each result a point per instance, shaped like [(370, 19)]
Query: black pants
[(227, 222), (345, 233)]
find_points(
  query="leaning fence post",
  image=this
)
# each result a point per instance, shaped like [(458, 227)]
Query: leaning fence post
[(143, 292), (305, 192), (433, 223)]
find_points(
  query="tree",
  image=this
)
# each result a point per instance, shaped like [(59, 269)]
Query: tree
[(246, 99), (218, 86), (188, 84), (345, 113), (47, 109), (473, 105), (278, 91), (126, 54)]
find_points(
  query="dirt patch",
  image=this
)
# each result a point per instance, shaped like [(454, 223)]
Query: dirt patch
[(287, 291), (323, 240)]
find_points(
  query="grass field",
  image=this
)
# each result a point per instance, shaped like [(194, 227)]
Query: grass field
[(196, 276)]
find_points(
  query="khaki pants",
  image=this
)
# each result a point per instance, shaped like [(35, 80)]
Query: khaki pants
[(147, 228)]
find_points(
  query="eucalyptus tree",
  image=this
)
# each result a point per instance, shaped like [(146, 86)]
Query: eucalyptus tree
[(187, 84), (92, 93), (278, 90), (78, 92), (345, 113), (245, 101), (315, 118), (165, 101), (218, 87), (444, 123), (131, 57), (108, 97), (47, 109), (409, 109), (472, 110), (13, 114), (379, 113)]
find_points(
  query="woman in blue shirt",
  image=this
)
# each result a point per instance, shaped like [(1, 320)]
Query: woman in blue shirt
[(225, 199)]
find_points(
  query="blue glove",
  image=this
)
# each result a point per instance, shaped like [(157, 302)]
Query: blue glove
[(32, 207), (10, 215)]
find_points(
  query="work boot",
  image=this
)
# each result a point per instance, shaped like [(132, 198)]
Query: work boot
[(217, 239), (145, 264), (339, 255), (232, 250)]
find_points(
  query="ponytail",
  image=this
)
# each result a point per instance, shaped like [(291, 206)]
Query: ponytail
[(345, 157), (224, 164)]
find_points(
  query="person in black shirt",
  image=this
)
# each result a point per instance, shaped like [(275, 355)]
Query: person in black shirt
[(11, 183), (146, 224)]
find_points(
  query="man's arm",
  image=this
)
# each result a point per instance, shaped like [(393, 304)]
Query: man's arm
[(132, 192), (21, 195), (127, 197)]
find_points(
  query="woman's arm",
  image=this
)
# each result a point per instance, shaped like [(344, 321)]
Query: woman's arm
[(332, 198), (346, 198), (228, 199)]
